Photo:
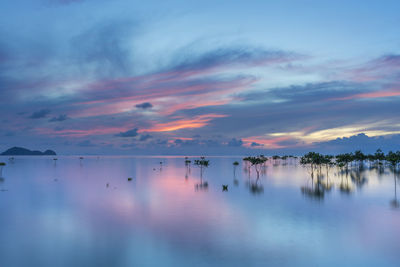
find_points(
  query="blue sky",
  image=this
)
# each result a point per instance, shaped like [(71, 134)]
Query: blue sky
[(214, 77)]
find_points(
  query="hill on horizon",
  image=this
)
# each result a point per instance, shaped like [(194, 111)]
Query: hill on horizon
[(20, 151)]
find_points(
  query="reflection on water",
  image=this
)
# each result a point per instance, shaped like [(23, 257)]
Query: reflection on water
[(129, 211)]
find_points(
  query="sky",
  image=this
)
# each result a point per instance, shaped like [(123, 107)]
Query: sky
[(199, 77)]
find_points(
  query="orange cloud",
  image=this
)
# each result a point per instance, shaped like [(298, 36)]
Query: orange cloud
[(378, 94), (266, 142), (196, 122)]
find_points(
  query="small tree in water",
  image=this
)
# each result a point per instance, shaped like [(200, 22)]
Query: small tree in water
[(187, 164), (2, 164), (257, 162), (235, 164), (202, 163)]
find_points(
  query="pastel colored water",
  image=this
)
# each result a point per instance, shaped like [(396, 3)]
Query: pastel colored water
[(64, 214)]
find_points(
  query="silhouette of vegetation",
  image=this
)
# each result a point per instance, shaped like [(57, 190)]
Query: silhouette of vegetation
[(350, 165), (224, 187), (187, 165), (235, 164), (202, 163), (2, 164), (257, 163)]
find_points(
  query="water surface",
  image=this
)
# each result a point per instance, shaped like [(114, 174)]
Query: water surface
[(85, 212)]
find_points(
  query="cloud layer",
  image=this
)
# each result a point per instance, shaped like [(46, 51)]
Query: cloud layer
[(113, 85)]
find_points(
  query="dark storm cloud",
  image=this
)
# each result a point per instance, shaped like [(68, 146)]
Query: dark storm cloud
[(40, 114), (144, 105), (130, 133)]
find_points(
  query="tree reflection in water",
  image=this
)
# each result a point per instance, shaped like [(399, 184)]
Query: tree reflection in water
[(394, 203)]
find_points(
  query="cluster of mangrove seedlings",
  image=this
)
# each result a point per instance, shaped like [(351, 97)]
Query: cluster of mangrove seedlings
[(348, 164), (276, 159), (259, 165), (317, 160)]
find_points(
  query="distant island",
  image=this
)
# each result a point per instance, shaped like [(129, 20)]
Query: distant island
[(20, 151)]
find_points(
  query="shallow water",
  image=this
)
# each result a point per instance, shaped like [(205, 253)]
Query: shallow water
[(86, 213)]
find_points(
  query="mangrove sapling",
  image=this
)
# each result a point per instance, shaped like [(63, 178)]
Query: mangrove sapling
[(371, 160), (359, 157), (345, 159), (275, 158), (187, 164), (328, 162), (2, 164), (257, 162), (235, 164), (235, 181), (379, 156), (393, 158), (202, 163), (247, 165), (284, 158), (313, 162)]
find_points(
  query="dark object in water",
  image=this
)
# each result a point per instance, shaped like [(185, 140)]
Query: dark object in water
[(130, 179), (107, 184), (224, 187)]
